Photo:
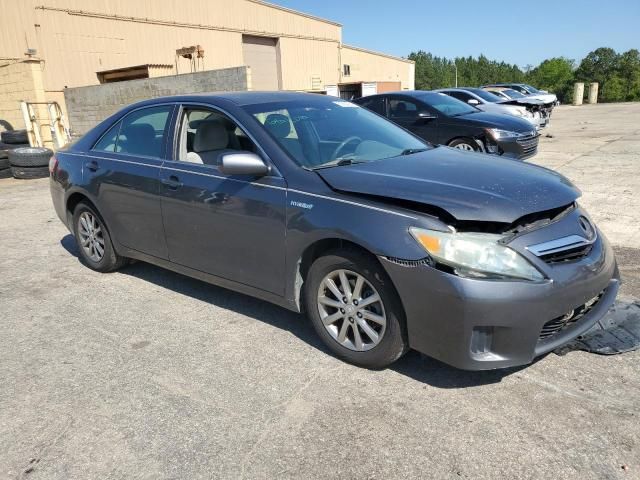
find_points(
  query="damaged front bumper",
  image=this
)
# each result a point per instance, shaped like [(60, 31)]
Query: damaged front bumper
[(478, 324)]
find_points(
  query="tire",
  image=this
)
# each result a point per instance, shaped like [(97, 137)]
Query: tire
[(6, 125), (392, 338), (5, 173), (4, 163), (14, 136), (88, 226), (465, 144), (30, 157), (27, 173)]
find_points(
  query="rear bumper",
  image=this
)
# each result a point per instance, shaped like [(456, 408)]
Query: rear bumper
[(479, 324)]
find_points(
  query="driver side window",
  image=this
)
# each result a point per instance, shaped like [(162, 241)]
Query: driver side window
[(400, 108), (206, 135)]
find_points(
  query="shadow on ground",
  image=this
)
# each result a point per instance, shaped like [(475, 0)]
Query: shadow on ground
[(414, 365)]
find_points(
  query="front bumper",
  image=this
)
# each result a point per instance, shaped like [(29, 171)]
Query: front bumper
[(521, 148), (482, 324)]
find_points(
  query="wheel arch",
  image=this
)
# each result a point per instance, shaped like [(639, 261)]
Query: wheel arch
[(318, 249), (72, 202), (476, 140)]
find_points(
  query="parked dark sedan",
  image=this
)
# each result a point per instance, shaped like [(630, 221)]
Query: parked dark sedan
[(443, 120), (321, 206)]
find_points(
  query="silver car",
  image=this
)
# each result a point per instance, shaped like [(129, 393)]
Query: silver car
[(490, 103)]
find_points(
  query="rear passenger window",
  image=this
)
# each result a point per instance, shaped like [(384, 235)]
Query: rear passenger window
[(144, 131), (374, 104)]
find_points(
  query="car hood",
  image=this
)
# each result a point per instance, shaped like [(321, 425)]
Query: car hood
[(526, 101), (469, 186), (491, 120)]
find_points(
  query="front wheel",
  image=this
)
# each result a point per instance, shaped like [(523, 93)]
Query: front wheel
[(355, 310), (466, 144)]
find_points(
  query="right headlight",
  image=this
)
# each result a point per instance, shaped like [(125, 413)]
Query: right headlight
[(499, 134), (475, 255)]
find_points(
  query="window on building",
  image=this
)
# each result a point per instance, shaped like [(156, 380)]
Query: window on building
[(346, 70)]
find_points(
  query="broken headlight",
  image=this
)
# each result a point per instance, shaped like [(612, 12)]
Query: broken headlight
[(475, 255)]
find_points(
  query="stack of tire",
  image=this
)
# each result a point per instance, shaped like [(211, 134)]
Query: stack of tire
[(20, 160), (10, 140)]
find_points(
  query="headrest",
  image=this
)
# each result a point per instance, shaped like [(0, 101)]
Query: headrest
[(210, 136), (278, 125), (139, 132)]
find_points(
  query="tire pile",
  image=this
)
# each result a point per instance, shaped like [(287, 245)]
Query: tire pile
[(19, 160)]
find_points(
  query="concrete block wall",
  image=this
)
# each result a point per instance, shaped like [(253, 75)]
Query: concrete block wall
[(88, 106), (20, 80)]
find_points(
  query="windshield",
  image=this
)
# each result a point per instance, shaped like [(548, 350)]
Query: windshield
[(328, 131), (449, 106), (513, 93), (532, 89), (486, 96)]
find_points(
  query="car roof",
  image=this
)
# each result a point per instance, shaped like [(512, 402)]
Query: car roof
[(239, 98)]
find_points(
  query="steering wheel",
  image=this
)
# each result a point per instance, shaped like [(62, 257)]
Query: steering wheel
[(343, 144)]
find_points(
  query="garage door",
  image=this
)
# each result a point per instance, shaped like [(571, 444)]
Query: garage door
[(261, 54)]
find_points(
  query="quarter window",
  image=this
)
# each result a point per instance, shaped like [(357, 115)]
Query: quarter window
[(108, 141)]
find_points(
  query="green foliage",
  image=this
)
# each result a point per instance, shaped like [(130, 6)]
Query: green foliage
[(554, 75), (617, 74)]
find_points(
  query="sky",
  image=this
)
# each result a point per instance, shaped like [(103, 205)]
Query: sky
[(524, 32)]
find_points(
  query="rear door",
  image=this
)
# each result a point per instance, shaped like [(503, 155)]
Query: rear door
[(122, 171), (229, 226)]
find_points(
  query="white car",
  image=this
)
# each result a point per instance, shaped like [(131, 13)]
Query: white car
[(528, 91), (490, 103)]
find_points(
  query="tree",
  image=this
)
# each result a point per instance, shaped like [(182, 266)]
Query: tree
[(554, 75), (629, 72), (599, 66)]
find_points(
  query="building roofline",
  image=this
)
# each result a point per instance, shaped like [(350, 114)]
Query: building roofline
[(295, 12), (380, 54)]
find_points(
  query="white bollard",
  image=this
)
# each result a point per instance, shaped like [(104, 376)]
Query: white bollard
[(593, 92), (578, 93)]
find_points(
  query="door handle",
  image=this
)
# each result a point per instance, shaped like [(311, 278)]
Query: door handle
[(92, 165), (172, 182)]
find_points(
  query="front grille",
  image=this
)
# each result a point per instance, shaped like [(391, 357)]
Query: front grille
[(563, 322), (568, 255), (529, 143)]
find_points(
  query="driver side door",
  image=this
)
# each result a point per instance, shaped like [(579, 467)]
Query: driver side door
[(404, 111), (232, 227)]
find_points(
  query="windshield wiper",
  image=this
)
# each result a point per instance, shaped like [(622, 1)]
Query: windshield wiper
[(410, 151), (338, 162)]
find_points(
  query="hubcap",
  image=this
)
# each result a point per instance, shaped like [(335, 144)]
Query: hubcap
[(351, 310), (91, 238), (465, 146)]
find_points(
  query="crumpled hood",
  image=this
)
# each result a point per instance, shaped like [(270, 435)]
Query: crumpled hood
[(467, 185)]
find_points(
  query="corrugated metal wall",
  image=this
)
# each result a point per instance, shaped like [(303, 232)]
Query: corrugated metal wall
[(77, 38)]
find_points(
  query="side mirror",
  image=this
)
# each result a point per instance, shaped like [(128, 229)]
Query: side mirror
[(426, 115), (473, 101), (243, 163)]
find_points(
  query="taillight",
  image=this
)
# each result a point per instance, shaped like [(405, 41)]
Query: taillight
[(53, 164)]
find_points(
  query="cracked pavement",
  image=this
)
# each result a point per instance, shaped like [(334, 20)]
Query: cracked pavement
[(146, 374)]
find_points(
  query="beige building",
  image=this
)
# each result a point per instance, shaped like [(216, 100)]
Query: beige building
[(47, 45)]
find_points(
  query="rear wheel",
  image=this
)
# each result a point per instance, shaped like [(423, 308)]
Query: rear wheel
[(466, 144), (355, 309), (94, 241)]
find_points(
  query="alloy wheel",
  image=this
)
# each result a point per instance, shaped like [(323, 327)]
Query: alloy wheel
[(351, 310), (91, 236), (465, 146)]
